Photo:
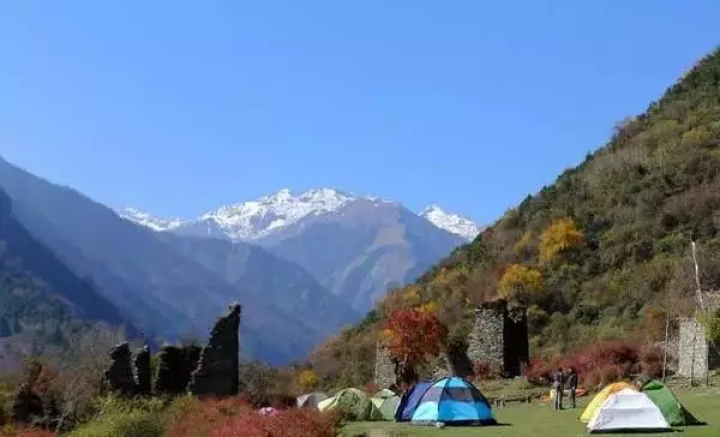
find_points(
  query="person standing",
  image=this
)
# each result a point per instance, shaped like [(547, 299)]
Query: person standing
[(558, 382), (571, 383)]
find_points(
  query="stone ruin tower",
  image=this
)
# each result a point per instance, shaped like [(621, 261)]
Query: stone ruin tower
[(500, 337), (218, 370), (384, 367), (695, 352), (210, 371)]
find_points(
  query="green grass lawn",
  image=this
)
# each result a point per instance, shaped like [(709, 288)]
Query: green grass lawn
[(540, 420)]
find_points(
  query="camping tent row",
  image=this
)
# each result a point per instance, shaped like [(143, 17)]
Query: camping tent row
[(452, 401), (622, 407)]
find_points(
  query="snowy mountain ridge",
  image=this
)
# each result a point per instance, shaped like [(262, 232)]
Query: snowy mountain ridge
[(452, 223), (259, 218)]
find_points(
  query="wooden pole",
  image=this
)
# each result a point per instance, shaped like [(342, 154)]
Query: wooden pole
[(665, 354)]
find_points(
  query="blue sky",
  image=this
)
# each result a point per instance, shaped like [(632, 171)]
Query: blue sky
[(179, 106)]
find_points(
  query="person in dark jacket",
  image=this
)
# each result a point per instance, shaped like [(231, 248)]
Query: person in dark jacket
[(571, 382), (558, 384)]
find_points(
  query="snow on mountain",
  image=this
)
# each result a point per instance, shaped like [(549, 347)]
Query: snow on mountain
[(155, 223), (452, 223), (257, 219)]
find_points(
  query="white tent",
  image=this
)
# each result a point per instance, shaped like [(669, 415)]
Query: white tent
[(311, 400), (628, 410)]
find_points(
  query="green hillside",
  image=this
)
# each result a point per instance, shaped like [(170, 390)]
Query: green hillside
[(602, 253)]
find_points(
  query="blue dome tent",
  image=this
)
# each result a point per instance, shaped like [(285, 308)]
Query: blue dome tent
[(410, 400), (453, 401)]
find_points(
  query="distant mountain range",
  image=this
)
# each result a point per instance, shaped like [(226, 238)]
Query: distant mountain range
[(259, 219), (356, 246), (302, 265)]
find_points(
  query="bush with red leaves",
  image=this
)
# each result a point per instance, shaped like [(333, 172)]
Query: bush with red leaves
[(371, 387), (651, 361), (599, 364), (26, 432), (538, 371), (603, 375), (198, 418), (483, 370), (286, 423)]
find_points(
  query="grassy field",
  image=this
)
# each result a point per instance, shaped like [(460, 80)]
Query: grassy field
[(533, 420)]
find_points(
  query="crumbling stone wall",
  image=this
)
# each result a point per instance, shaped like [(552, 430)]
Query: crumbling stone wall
[(27, 405), (143, 373), (218, 369), (486, 342), (384, 367), (175, 368), (516, 341), (500, 337), (695, 352), (119, 377), (694, 349)]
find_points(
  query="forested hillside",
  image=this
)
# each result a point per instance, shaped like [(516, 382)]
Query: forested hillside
[(41, 301), (602, 253)]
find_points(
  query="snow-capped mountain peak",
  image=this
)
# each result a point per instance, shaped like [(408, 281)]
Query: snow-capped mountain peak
[(452, 223), (258, 218), (149, 221)]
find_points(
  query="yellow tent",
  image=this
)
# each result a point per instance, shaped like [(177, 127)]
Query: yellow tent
[(599, 398)]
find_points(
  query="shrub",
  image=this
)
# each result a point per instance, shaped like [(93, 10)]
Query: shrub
[(10, 431), (484, 370), (288, 423), (538, 371), (191, 417), (130, 424), (601, 363), (603, 375), (125, 418), (371, 388), (651, 361)]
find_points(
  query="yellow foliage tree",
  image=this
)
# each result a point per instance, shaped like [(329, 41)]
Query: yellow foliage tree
[(519, 283), (307, 379), (560, 236), (429, 308), (523, 245)]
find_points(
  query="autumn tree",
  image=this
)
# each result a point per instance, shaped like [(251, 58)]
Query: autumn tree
[(560, 236), (519, 283), (413, 335), (307, 379)]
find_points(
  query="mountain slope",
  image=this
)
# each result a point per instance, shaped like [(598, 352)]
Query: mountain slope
[(363, 249), (636, 204), (357, 247), (41, 300), (155, 285), (252, 270)]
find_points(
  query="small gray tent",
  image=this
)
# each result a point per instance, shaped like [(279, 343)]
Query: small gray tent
[(311, 400)]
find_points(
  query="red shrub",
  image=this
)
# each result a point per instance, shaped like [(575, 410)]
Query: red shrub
[(538, 370), (26, 432), (651, 361), (624, 356), (603, 375), (199, 417), (288, 423), (596, 365), (371, 388), (484, 370)]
